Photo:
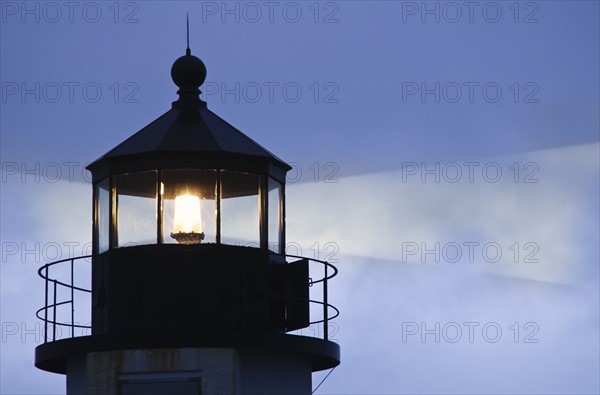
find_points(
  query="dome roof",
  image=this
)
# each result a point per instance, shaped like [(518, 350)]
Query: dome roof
[(188, 128)]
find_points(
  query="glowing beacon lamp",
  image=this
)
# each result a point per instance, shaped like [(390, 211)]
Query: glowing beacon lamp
[(191, 290), (187, 225)]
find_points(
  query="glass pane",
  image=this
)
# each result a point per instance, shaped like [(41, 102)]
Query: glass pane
[(136, 209), (189, 206), (274, 215), (239, 209), (102, 214)]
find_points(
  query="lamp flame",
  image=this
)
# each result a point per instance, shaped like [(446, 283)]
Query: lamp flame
[(187, 222)]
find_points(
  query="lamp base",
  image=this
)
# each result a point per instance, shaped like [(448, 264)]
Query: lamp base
[(188, 237)]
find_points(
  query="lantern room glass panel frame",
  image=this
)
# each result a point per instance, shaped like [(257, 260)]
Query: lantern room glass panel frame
[(235, 205)]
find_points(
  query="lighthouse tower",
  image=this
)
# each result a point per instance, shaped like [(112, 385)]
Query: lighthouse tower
[(191, 291)]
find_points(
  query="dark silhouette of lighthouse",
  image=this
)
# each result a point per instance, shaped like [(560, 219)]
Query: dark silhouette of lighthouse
[(191, 290)]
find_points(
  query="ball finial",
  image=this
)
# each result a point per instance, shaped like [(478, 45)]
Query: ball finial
[(188, 72)]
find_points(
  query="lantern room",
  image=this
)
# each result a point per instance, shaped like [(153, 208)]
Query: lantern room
[(188, 178), (197, 202)]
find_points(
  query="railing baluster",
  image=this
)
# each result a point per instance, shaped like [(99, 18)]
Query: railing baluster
[(46, 308), (325, 305), (72, 299), (54, 318)]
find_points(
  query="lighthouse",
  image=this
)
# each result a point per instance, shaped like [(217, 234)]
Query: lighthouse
[(191, 290)]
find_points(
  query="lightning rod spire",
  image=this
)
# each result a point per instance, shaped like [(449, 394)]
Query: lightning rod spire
[(187, 20)]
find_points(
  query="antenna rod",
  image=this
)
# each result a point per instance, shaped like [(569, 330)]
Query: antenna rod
[(187, 20)]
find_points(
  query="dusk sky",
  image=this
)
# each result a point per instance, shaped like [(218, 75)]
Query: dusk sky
[(445, 158)]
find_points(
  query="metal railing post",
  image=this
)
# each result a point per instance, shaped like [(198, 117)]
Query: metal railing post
[(325, 305), (54, 314), (72, 299), (46, 308)]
